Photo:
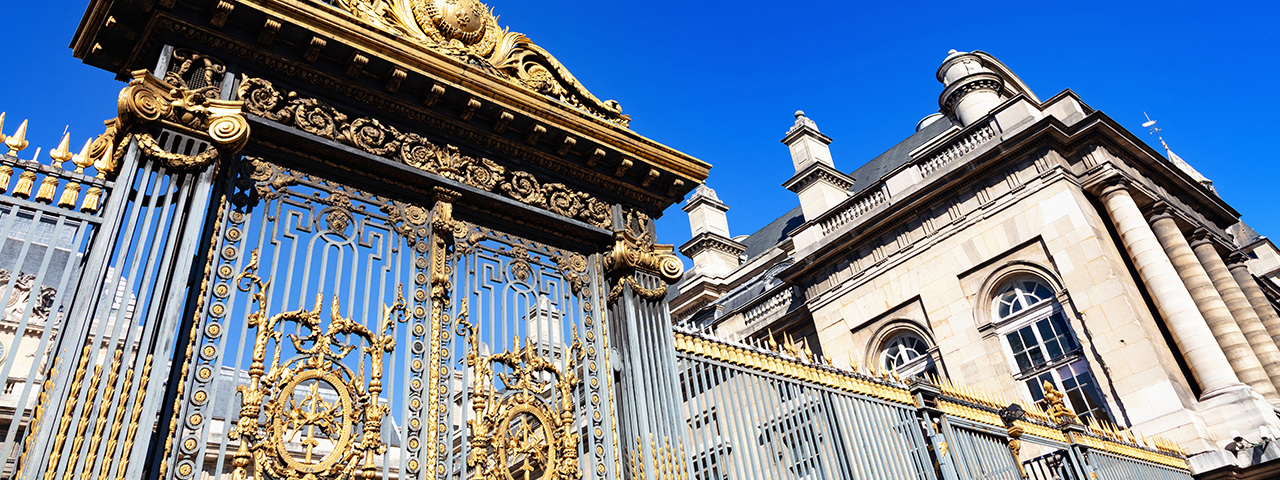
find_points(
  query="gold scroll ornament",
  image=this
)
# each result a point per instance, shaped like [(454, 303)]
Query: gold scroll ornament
[(149, 101), (314, 399), (633, 249)]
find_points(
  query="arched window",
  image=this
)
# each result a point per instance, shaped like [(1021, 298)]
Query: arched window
[(906, 353), (1042, 346), (1019, 295)]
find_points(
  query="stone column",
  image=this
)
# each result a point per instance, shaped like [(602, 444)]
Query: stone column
[(1263, 347), (1225, 330), (1208, 364), (1239, 266)]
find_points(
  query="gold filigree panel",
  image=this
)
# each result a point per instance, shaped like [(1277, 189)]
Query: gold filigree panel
[(347, 415)]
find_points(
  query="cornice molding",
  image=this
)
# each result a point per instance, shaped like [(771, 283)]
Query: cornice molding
[(818, 172), (711, 241)]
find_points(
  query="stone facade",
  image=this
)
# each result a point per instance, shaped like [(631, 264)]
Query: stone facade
[(1009, 241)]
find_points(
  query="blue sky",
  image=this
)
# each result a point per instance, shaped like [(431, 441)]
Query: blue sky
[(720, 80)]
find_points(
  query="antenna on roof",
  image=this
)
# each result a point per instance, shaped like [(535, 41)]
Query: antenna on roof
[(1149, 122)]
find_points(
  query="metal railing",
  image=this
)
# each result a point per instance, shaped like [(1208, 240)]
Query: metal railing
[(756, 413)]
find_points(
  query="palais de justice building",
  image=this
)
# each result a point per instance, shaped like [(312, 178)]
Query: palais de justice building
[(1011, 240), (396, 240)]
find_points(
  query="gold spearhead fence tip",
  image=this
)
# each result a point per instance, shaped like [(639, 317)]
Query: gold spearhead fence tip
[(18, 141), (63, 152), (82, 160)]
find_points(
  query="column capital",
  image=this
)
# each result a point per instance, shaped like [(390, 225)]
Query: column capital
[(1200, 236), (1111, 186), (1237, 259), (1157, 210)]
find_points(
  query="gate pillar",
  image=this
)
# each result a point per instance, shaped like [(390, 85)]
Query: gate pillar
[(155, 168), (638, 272)]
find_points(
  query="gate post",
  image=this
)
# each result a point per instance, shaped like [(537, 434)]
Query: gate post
[(926, 395), (638, 272), (160, 157)]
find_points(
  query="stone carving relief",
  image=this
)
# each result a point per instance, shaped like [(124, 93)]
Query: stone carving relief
[(21, 295)]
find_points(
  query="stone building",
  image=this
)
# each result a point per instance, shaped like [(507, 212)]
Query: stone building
[(1008, 242)]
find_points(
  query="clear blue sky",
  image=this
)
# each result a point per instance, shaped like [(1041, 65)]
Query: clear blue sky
[(720, 80)]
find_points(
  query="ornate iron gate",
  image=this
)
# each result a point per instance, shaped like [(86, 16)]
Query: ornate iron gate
[(343, 333)]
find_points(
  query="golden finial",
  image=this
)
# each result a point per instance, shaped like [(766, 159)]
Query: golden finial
[(82, 160), (808, 354), (853, 364), (63, 152), (2, 135), (18, 141)]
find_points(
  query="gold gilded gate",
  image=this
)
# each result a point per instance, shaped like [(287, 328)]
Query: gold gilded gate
[(345, 240), (344, 335)]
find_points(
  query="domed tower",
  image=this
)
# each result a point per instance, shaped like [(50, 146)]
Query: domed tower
[(975, 84)]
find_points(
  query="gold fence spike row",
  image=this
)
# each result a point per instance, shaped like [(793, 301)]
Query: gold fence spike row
[(63, 152), (26, 180), (47, 188), (18, 141)]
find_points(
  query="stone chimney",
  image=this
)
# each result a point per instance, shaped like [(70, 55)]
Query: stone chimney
[(817, 182), (714, 252)]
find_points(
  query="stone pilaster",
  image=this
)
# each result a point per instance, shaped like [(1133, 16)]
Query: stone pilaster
[(1214, 311), (1194, 340), (1263, 347), (1238, 264)]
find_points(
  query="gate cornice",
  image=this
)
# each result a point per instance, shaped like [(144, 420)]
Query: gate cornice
[(489, 97)]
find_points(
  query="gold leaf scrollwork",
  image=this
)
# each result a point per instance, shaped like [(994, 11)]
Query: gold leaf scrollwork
[(528, 427), (574, 269), (148, 100), (368, 134), (313, 398)]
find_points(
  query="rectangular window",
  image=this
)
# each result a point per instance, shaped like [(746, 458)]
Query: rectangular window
[(1079, 386), (1041, 342)]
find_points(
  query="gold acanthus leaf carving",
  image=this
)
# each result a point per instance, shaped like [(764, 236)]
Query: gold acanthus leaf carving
[(468, 31), (313, 397), (317, 118), (148, 101)]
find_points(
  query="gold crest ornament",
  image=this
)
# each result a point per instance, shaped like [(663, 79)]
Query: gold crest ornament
[(468, 31), (1057, 409), (312, 416)]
